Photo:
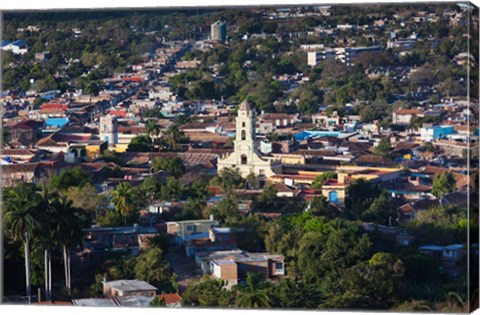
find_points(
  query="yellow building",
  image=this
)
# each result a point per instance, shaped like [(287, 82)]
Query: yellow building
[(335, 189)]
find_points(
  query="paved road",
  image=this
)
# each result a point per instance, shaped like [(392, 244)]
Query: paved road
[(184, 267)]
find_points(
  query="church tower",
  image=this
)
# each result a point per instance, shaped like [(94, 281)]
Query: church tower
[(245, 140), (108, 129), (246, 156)]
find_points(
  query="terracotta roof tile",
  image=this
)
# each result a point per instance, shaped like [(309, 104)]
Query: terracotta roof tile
[(171, 298)]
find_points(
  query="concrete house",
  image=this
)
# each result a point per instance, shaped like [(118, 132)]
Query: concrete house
[(233, 269), (119, 288), (403, 117)]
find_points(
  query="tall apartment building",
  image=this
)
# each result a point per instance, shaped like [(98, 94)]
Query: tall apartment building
[(218, 31)]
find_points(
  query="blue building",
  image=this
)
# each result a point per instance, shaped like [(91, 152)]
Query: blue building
[(316, 134), (435, 132), (53, 124)]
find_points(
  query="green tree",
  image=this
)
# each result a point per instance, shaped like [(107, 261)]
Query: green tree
[(321, 207), (123, 196), (294, 294), (311, 247), (253, 295), (152, 129), (110, 217), (207, 292), (87, 198), (160, 241), (226, 210), (20, 221), (157, 302), (140, 144), (46, 232), (75, 177), (268, 198), (151, 267), (150, 187), (383, 148), (321, 179), (373, 284), (194, 209), (68, 233), (443, 184), (321, 253), (174, 166), (309, 98), (361, 194), (172, 190), (381, 211), (229, 178), (172, 139)]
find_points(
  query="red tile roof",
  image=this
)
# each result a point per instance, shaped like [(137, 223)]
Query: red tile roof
[(171, 298), (54, 106), (133, 79), (408, 112), (244, 106), (28, 124)]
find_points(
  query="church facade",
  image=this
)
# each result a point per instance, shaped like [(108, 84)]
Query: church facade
[(246, 156)]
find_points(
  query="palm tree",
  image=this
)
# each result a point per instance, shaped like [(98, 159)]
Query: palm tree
[(47, 201), (123, 196), (172, 137), (20, 222), (253, 294), (68, 233), (152, 129)]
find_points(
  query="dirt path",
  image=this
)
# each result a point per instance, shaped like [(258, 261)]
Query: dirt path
[(184, 267)]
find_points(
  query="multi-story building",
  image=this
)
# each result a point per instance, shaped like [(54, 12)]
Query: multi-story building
[(218, 31), (343, 54)]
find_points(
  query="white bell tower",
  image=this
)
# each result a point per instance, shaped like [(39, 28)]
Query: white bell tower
[(246, 156), (245, 142)]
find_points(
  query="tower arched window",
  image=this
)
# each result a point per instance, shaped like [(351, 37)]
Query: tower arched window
[(243, 124), (243, 159), (244, 136)]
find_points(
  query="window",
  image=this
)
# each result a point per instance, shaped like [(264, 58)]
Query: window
[(189, 227), (244, 136), (279, 268), (244, 159), (243, 124)]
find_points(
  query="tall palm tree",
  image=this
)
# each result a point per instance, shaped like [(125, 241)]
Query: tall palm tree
[(123, 196), (47, 237), (20, 222), (172, 137), (253, 294), (68, 233), (152, 129)]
